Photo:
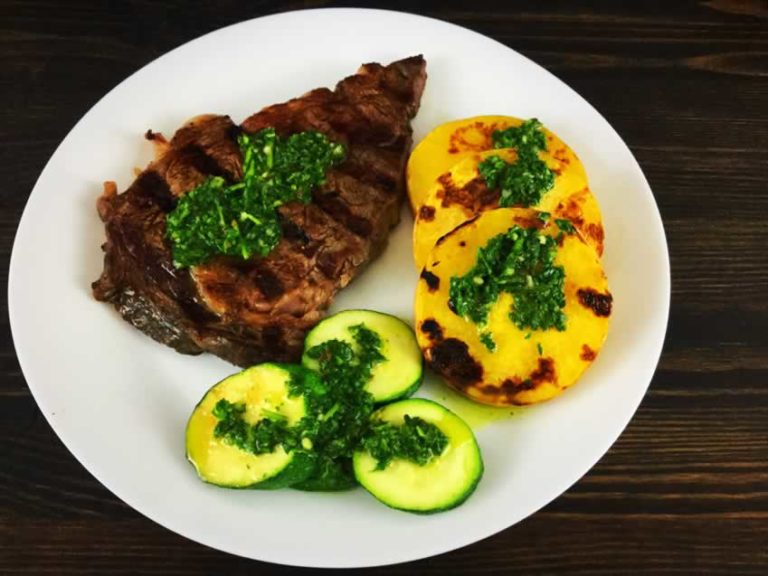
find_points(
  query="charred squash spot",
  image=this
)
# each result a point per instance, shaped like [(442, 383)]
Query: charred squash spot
[(587, 354), (600, 304), (561, 155), (545, 372), (455, 230), (571, 208), (427, 213), (529, 221), (476, 136), (474, 196), (433, 282), (451, 358), (432, 329), (512, 386), (509, 389), (597, 234), (462, 243)]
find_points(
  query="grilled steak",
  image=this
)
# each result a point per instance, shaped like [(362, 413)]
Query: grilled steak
[(250, 311)]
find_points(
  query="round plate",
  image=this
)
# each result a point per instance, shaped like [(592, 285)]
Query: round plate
[(120, 401)]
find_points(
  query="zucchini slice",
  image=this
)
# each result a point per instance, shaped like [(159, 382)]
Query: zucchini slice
[(443, 483), (399, 374), (266, 391)]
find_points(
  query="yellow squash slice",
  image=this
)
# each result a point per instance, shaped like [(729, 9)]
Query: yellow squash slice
[(453, 141), (527, 366), (460, 194)]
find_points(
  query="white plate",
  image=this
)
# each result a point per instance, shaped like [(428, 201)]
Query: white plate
[(119, 401)]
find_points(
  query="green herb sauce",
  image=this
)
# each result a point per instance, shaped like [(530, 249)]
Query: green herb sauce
[(260, 438), (343, 413), (415, 440), (264, 436), (241, 219), (487, 339), (525, 181), (520, 262), (347, 406)]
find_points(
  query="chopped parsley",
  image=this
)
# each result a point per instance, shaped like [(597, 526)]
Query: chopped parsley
[(525, 181), (346, 408), (415, 440), (240, 219), (487, 339), (519, 262), (342, 414), (565, 226), (272, 430), (260, 438), (527, 137)]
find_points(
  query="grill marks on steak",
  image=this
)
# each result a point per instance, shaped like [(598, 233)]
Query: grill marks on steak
[(205, 146), (247, 312)]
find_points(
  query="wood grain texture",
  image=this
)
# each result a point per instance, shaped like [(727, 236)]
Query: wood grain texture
[(685, 488)]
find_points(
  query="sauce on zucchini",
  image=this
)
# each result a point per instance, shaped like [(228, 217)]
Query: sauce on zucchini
[(346, 407), (415, 440)]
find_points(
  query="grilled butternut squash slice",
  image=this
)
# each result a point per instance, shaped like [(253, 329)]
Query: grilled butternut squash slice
[(527, 366), (454, 141)]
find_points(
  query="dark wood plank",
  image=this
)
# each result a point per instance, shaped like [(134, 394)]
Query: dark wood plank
[(685, 488), (548, 543)]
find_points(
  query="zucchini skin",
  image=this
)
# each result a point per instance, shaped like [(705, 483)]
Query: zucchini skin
[(405, 394), (449, 506), (301, 467)]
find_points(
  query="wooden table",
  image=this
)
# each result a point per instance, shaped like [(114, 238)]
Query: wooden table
[(683, 491)]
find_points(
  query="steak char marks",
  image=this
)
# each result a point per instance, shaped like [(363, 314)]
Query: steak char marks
[(251, 311)]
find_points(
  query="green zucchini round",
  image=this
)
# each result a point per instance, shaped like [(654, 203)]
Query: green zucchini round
[(266, 387), (443, 483), (397, 376)]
